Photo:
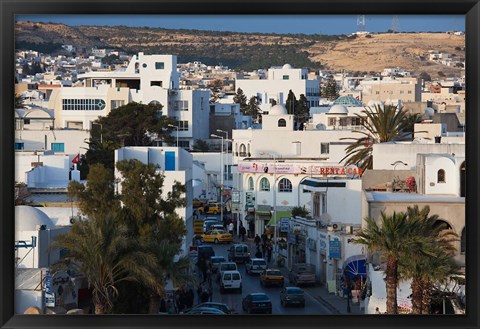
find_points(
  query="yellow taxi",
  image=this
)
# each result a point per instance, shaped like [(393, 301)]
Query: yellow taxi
[(217, 236), (271, 277), (213, 208)]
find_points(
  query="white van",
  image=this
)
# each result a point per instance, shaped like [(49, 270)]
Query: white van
[(231, 280), (225, 266)]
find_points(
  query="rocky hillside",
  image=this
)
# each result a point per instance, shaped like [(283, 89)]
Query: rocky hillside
[(251, 51)]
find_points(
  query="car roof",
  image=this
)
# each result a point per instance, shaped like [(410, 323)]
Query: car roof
[(217, 257), (257, 259), (231, 271), (294, 289), (213, 310), (258, 294)]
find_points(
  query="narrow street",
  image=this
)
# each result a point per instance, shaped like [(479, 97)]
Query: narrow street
[(251, 283)]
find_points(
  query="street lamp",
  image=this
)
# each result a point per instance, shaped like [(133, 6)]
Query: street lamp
[(176, 127), (275, 244), (221, 177)]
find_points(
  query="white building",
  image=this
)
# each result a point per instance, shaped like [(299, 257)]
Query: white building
[(176, 166), (277, 85), (148, 79)]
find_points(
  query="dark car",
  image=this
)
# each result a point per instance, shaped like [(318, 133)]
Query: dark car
[(205, 252), (221, 306), (292, 296), (257, 302)]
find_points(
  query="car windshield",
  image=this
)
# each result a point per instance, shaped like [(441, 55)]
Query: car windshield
[(259, 262), (261, 297), (218, 260), (275, 272), (236, 276), (219, 231), (229, 267)]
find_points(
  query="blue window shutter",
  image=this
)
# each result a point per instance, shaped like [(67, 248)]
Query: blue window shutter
[(170, 161)]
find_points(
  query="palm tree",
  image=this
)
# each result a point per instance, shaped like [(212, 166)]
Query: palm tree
[(167, 268), (431, 261), (391, 240), (382, 124), (101, 249)]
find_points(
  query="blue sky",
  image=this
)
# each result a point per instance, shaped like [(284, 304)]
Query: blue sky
[(263, 23)]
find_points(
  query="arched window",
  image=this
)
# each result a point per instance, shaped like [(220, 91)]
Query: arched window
[(284, 185), (243, 150), (250, 184), (264, 184), (441, 176), (282, 123)]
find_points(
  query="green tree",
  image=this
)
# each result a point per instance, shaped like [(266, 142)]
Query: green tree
[(241, 99), (410, 120), (330, 89), (200, 146), (425, 76), (302, 110), (431, 261), (98, 196), (300, 211), (102, 249), (392, 240), (380, 124), (253, 108), (19, 101), (291, 102)]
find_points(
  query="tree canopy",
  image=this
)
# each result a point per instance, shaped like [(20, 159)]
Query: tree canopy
[(241, 99), (330, 89)]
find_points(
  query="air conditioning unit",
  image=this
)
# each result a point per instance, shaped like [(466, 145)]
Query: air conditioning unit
[(333, 227)]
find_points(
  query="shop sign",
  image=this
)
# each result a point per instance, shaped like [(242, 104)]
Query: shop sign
[(335, 249), (322, 243), (284, 225), (49, 299), (298, 168)]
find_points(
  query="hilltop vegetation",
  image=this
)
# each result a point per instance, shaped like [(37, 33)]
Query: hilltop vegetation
[(249, 51)]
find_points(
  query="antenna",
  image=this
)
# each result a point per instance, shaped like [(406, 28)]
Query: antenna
[(361, 23), (395, 27)]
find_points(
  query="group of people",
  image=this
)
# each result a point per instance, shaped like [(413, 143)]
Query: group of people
[(181, 300), (266, 246)]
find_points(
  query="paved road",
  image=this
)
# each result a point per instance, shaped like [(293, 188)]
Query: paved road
[(251, 283)]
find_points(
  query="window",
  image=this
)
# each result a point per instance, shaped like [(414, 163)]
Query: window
[(377, 92), (332, 121), (285, 77), (343, 122), (26, 121), (83, 104), (441, 176), (243, 150), (264, 184), (159, 65), (284, 185), (181, 106), (116, 103), (19, 146), (183, 125), (184, 144), (156, 83), (409, 91), (282, 123), (357, 121), (324, 148), (58, 147), (250, 184)]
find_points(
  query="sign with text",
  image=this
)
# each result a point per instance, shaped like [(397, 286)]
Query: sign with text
[(335, 249), (284, 225), (298, 168)]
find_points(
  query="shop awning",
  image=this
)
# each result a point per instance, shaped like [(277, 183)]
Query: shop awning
[(355, 266), (263, 210)]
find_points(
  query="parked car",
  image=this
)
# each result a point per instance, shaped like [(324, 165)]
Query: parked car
[(231, 280), (216, 260), (292, 296), (302, 274), (217, 236), (204, 310), (217, 227), (255, 265), (238, 253), (257, 303), (226, 266), (272, 277), (213, 208), (221, 306)]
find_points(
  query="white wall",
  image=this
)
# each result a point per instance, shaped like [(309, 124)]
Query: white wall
[(53, 173), (74, 140)]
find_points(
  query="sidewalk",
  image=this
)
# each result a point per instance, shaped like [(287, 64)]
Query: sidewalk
[(333, 303)]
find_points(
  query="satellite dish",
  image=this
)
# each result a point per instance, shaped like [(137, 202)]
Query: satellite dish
[(325, 218)]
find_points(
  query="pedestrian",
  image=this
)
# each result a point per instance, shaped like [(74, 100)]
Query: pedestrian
[(269, 253), (257, 240), (377, 311), (210, 292), (230, 228), (163, 306), (243, 231), (264, 238), (204, 296), (264, 248), (258, 254), (171, 306), (199, 293)]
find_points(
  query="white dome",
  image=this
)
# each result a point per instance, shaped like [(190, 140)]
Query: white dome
[(287, 66), (338, 109), (27, 218), (277, 110)]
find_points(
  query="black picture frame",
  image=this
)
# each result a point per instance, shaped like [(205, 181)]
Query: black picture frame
[(10, 8)]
